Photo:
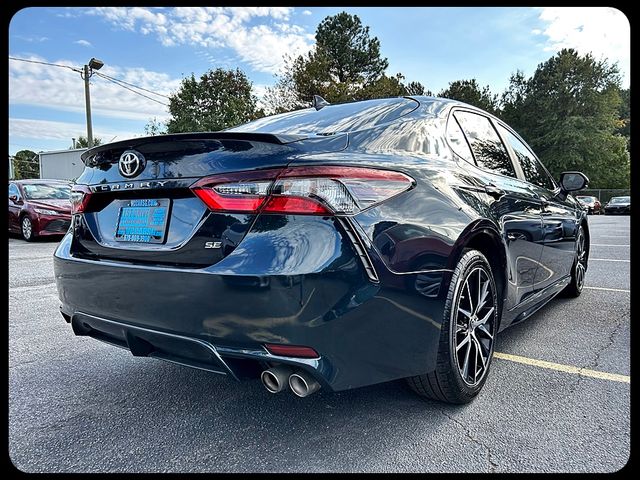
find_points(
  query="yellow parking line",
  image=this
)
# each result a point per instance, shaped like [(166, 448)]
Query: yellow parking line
[(609, 260), (614, 377), (608, 289)]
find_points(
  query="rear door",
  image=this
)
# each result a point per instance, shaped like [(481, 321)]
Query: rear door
[(515, 208), (559, 217)]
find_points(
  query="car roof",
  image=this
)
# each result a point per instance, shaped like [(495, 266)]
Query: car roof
[(440, 106)]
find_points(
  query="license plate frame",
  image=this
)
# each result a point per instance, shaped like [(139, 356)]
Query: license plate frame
[(145, 220)]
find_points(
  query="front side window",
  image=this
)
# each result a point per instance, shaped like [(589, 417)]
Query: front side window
[(42, 191), (533, 170), (13, 190), (488, 150)]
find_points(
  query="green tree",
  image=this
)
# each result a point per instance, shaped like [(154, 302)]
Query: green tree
[(347, 51), (83, 142), (26, 165), (344, 65), (154, 127), (219, 99), (469, 91), (416, 88), (624, 116), (569, 111)]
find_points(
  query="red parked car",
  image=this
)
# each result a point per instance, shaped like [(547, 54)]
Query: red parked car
[(39, 207)]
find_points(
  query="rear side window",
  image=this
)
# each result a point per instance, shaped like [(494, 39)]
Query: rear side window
[(533, 170), (345, 117), (458, 142), (488, 150)]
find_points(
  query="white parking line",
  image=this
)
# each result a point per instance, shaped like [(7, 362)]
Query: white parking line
[(610, 245), (27, 288), (608, 260), (31, 258), (585, 372), (609, 289)]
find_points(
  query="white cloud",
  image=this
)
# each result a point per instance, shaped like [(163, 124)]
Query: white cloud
[(27, 128), (31, 84), (259, 90), (260, 36), (602, 31), (307, 12), (32, 38), (84, 43)]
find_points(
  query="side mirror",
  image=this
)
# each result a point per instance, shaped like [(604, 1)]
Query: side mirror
[(573, 181), (13, 198)]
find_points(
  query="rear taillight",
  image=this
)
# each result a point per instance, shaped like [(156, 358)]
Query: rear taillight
[(302, 190), (80, 195)]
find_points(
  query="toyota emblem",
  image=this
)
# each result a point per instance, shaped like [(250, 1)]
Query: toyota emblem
[(131, 163)]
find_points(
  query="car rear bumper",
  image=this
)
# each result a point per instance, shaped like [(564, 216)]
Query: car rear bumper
[(618, 211), (53, 224), (364, 332)]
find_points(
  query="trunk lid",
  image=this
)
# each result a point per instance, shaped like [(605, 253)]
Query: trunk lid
[(146, 212)]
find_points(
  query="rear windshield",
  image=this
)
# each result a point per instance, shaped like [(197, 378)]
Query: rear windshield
[(346, 117)]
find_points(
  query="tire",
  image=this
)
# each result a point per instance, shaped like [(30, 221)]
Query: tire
[(579, 268), (26, 229), (468, 333)]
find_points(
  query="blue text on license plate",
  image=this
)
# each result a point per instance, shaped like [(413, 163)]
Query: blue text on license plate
[(142, 220)]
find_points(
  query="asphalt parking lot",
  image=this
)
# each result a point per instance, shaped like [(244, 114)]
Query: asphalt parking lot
[(78, 405)]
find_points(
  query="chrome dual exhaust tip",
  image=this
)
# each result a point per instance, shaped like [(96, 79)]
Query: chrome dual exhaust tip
[(276, 379), (302, 384)]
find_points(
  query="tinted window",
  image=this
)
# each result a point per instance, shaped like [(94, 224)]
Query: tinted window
[(346, 117), (13, 190), (457, 140), (488, 150), (533, 170)]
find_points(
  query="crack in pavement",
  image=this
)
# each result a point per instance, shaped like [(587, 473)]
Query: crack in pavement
[(596, 360), (492, 464)]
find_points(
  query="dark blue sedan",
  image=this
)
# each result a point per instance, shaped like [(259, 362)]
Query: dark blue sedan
[(327, 248)]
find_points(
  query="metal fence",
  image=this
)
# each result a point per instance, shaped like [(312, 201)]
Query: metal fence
[(605, 194)]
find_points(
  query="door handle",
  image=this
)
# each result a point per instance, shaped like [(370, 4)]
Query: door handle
[(545, 204), (494, 191)]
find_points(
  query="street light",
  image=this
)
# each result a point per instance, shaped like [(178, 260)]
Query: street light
[(94, 64)]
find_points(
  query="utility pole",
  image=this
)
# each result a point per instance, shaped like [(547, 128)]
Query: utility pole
[(87, 102), (87, 72)]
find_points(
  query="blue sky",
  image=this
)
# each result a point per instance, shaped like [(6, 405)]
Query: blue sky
[(155, 47)]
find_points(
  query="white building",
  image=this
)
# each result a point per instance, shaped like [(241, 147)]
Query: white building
[(61, 164)]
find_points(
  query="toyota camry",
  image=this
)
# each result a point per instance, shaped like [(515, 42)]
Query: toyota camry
[(327, 248)]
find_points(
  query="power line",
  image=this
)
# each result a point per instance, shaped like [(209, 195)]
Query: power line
[(46, 63), (134, 91), (117, 81), (131, 84)]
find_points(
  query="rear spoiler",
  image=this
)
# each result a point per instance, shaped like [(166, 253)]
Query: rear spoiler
[(132, 143)]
